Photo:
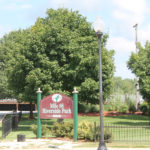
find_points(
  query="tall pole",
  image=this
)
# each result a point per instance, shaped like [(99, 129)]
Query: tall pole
[(38, 113), (102, 145), (137, 79), (75, 114)]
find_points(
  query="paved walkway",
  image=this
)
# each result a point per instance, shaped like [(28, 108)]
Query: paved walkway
[(113, 148), (82, 149), (46, 144)]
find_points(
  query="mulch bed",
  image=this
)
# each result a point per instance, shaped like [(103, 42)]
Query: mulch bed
[(109, 113)]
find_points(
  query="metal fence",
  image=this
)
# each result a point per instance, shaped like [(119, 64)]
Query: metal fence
[(10, 123), (127, 133)]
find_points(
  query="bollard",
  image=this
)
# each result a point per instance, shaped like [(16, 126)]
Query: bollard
[(20, 138)]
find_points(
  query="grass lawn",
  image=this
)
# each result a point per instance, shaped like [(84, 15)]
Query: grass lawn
[(127, 120)]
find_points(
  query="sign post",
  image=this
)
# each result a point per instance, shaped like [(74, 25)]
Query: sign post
[(38, 113), (75, 114)]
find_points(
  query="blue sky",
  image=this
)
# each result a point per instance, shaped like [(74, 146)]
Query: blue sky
[(119, 17)]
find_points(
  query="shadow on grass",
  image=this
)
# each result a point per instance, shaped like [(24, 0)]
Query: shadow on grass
[(131, 117), (135, 124), (131, 120), (23, 128)]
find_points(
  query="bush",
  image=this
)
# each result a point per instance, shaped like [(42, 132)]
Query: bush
[(88, 108), (132, 108), (144, 107), (123, 108), (113, 105), (63, 129), (45, 130), (94, 109), (83, 108), (131, 104), (86, 132), (107, 136)]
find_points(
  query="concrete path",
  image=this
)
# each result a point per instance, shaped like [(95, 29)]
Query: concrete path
[(113, 148), (46, 144)]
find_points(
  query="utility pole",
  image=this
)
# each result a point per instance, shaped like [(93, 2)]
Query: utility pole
[(137, 79)]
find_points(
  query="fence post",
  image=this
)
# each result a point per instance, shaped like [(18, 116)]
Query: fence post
[(75, 114), (95, 131), (38, 113), (3, 136)]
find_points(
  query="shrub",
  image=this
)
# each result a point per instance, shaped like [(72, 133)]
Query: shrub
[(86, 132), (45, 130), (144, 107), (132, 108), (88, 108), (94, 108), (107, 136), (63, 129), (113, 105), (123, 108), (131, 104), (83, 108)]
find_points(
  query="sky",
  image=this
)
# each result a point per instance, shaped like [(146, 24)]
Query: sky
[(119, 17)]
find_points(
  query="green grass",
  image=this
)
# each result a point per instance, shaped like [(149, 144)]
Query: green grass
[(124, 134)]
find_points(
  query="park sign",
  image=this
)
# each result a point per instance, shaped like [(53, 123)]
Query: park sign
[(57, 106)]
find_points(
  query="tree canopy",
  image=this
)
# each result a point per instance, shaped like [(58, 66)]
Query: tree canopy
[(124, 86), (57, 53), (4, 91), (140, 66)]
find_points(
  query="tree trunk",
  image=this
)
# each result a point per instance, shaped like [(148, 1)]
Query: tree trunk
[(31, 111)]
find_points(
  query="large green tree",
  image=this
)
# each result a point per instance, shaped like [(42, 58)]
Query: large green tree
[(124, 86), (58, 53), (140, 66), (4, 90)]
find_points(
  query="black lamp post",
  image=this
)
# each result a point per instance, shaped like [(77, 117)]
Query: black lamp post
[(99, 28)]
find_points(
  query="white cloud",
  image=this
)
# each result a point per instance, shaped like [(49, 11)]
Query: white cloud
[(123, 48), (120, 44), (1, 29), (26, 6), (128, 17), (123, 71), (15, 6), (133, 6), (10, 7), (144, 34), (130, 12), (4, 30), (82, 5)]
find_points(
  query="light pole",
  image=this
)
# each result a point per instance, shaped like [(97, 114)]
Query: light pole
[(99, 28), (137, 79)]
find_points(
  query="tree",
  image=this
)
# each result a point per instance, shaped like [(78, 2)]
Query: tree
[(4, 90), (124, 86), (58, 53), (140, 66)]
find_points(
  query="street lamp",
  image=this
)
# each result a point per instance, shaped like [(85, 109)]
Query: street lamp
[(99, 29)]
